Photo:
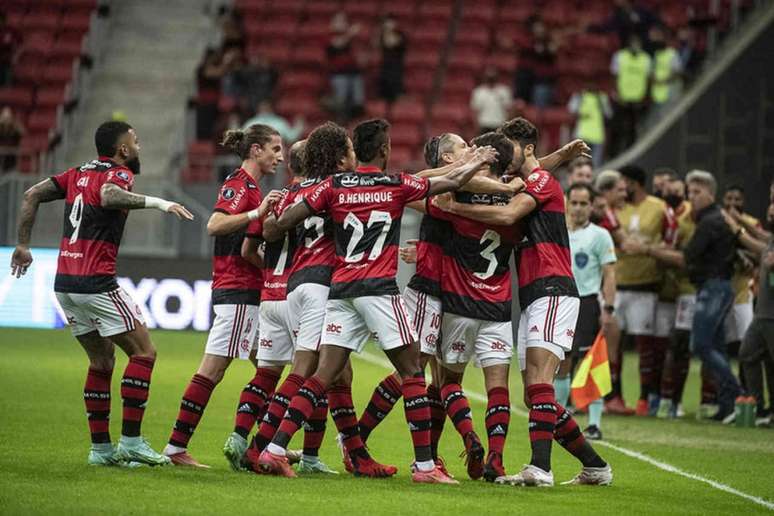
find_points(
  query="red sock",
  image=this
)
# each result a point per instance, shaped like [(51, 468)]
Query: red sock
[(192, 406), (96, 395), (498, 416), (417, 412), (437, 417), (385, 396), (542, 420), (252, 401), (567, 433), (458, 408), (314, 429), (345, 418), (299, 411), (134, 391), (276, 410)]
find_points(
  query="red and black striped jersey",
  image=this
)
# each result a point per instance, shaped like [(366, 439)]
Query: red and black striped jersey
[(234, 279), (545, 268), (433, 234), (91, 234), (315, 253), (476, 279), (277, 257), (366, 207)]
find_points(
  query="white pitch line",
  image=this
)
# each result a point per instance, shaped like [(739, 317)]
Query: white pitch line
[(373, 359)]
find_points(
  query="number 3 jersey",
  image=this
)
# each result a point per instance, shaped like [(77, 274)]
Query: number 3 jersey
[(91, 234), (366, 207), (476, 277)]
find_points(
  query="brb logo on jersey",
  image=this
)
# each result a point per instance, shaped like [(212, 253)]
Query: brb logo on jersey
[(333, 328)]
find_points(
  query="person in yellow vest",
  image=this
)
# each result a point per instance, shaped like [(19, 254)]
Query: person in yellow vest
[(592, 109), (667, 67), (741, 315), (645, 221), (632, 67)]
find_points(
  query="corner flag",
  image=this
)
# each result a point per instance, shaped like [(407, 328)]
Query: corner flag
[(592, 380)]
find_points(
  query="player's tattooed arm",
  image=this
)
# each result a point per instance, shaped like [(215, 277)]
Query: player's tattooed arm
[(44, 191), (224, 224), (114, 197), (487, 185), (519, 207), (462, 173), (271, 230), (293, 216)]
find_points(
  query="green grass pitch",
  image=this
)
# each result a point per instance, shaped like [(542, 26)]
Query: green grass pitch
[(44, 443)]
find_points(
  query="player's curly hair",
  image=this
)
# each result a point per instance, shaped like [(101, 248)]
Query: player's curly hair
[(369, 137), (502, 145), (325, 147), (239, 141), (435, 147), (520, 130)]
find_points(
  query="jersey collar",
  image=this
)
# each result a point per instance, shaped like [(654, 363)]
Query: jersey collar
[(368, 169)]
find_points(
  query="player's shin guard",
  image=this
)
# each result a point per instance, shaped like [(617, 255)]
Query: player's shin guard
[(299, 411), (385, 396), (276, 410), (570, 437), (458, 408), (344, 416), (417, 413), (542, 420), (134, 391), (96, 396), (437, 417), (252, 401), (195, 399), (314, 429), (498, 416)]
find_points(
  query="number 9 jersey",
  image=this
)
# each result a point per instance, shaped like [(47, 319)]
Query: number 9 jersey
[(366, 207)]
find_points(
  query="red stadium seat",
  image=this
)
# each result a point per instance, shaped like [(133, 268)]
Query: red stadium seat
[(41, 120), (479, 12), (404, 12), (465, 61), (429, 37), (50, 97), (407, 135), (401, 157), (435, 10), (299, 81), (64, 49), (421, 60), (408, 110), (473, 36), (419, 81), (19, 99), (292, 107), (200, 160), (38, 42), (292, 7), (57, 73), (315, 31), (30, 146), (27, 73), (76, 21), (515, 12), (446, 113), (376, 109), (309, 55), (321, 8), (503, 61), (41, 21)]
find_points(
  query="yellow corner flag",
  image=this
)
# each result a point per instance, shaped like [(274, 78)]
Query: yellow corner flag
[(592, 380)]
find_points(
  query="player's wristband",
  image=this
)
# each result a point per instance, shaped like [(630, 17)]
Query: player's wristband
[(252, 214), (609, 309), (157, 203)]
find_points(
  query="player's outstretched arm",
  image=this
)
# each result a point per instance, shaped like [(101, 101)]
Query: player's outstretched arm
[(461, 174), (566, 153), (116, 198), (519, 207), (292, 216), (224, 224), (44, 191), (487, 185), (271, 230)]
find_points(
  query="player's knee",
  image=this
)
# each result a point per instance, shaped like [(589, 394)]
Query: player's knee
[(102, 362)]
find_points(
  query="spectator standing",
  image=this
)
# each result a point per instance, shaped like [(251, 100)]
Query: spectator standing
[(265, 115), (667, 67), (392, 45), (11, 131), (627, 19), (534, 81), (690, 55), (490, 102), (209, 75), (631, 66), (256, 81), (9, 44), (345, 74), (592, 109)]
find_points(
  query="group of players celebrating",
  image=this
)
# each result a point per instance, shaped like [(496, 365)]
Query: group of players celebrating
[(304, 276)]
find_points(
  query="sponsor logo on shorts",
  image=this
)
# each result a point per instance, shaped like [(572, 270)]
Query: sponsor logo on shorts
[(498, 346), (333, 328), (570, 333), (265, 343), (458, 347), (534, 329)]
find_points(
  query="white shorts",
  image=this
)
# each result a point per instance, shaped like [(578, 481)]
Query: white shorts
[(350, 322), (426, 312), (108, 313), (738, 320), (275, 336), (636, 311), (548, 323), (665, 319), (306, 307), (686, 304), (489, 342), (233, 331)]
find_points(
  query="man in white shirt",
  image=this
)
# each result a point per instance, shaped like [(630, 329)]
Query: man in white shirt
[(490, 102)]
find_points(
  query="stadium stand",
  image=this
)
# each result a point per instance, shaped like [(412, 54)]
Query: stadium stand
[(52, 35)]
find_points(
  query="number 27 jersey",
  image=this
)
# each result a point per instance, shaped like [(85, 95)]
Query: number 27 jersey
[(366, 207)]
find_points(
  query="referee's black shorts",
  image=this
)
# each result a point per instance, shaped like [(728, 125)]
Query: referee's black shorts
[(587, 327)]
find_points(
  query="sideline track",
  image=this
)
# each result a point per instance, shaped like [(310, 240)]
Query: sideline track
[(374, 359)]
